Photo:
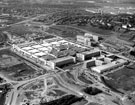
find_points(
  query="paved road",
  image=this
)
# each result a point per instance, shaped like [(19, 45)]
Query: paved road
[(13, 95), (18, 88)]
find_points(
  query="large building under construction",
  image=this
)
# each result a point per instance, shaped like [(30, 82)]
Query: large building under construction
[(52, 52), (57, 52)]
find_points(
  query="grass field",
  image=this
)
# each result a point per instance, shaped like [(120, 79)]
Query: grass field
[(96, 30), (65, 32), (123, 80), (14, 67), (19, 30)]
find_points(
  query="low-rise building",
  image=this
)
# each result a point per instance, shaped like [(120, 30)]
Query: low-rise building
[(89, 64), (90, 35), (88, 55), (59, 62), (108, 66)]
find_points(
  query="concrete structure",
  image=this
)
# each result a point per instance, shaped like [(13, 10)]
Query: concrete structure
[(90, 35), (84, 40), (88, 55), (89, 63), (41, 53), (87, 39), (57, 52), (99, 62), (61, 61), (27, 48), (109, 66)]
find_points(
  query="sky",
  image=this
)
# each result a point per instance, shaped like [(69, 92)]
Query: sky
[(95, 1)]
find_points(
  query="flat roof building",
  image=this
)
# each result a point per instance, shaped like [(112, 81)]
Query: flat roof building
[(89, 63), (43, 49), (37, 46), (59, 62), (27, 48), (46, 44), (109, 66), (88, 55), (48, 57), (33, 51), (39, 54)]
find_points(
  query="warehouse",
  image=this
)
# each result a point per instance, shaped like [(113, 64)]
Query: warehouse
[(59, 62)]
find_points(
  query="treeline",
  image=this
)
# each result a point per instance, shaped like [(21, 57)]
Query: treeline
[(65, 100)]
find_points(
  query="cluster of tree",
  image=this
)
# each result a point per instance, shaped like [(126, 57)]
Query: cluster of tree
[(92, 91), (3, 38), (132, 53), (65, 100)]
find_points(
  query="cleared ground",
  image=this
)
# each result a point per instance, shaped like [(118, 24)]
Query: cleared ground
[(14, 67), (123, 80), (65, 32), (96, 30)]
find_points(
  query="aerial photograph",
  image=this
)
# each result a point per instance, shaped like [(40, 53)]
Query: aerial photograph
[(67, 52)]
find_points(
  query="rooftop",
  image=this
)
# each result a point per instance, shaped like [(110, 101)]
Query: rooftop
[(91, 51), (39, 54), (43, 49), (61, 59), (33, 51), (48, 57), (45, 44), (101, 68), (27, 48), (37, 46)]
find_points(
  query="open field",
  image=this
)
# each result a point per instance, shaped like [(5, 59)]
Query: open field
[(13, 67), (123, 80), (65, 32), (128, 36), (19, 30), (96, 30)]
